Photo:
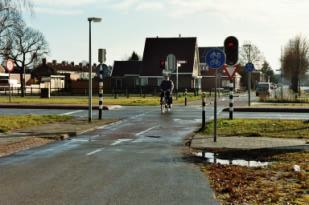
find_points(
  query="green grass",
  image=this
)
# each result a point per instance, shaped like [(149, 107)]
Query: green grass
[(83, 100), (12, 122), (260, 128)]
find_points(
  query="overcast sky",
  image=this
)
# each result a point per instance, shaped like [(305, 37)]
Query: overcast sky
[(268, 24)]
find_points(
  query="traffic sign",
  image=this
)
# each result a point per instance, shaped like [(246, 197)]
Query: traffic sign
[(230, 71), (171, 62), (102, 69), (215, 58), (9, 65), (249, 67)]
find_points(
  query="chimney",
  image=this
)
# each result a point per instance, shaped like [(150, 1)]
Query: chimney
[(44, 61), (179, 35)]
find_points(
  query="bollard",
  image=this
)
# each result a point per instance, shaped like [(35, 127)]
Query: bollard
[(231, 107), (100, 92), (203, 109), (186, 92)]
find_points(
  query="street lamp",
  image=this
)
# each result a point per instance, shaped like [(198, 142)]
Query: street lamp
[(95, 20)]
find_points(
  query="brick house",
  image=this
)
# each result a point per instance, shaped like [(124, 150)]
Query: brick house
[(125, 75), (185, 49), (209, 75)]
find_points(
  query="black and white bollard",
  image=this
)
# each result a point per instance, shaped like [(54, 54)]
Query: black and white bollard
[(231, 107), (101, 93), (203, 110)]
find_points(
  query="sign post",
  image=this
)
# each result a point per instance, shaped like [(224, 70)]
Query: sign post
[(249, 68), (10, 67), (215, 59), (102, 72), (230, 71)]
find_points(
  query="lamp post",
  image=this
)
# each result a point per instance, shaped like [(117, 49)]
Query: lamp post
[(95, 20)]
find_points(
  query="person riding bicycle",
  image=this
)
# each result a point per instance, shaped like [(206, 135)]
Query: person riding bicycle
[(167, 86)]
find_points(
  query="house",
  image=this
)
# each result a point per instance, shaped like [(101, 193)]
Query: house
[(125, 74), (209, 75), (185, 49)]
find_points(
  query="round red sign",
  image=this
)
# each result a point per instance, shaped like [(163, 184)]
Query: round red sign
[(10, 65)]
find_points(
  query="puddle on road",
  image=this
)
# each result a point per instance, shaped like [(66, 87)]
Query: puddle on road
[(213, 158)]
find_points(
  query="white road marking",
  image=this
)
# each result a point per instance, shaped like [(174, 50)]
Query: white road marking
[(73, 112), (95, 151), (120, 141), (145, 131)]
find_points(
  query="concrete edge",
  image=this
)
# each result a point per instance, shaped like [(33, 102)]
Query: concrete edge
[(51, 106), (268, 109)]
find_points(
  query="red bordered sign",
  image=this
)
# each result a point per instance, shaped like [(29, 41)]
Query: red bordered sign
[(230, 71), (9, 65)]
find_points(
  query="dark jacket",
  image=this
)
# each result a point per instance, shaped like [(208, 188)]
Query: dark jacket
[(167, 85)]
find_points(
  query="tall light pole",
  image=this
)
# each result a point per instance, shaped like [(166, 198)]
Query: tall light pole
[(95, 20)]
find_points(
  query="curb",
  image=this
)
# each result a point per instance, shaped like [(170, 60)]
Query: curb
[(49, 106), (268, 109)]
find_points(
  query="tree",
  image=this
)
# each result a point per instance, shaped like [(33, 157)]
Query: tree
[(134, 57), (295, 62), (25, 46), (268, 72), (250, 53)]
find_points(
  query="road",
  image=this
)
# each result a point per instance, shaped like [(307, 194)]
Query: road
[(138, 160)]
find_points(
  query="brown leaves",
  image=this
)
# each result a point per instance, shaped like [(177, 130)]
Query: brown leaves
[(275, 184)]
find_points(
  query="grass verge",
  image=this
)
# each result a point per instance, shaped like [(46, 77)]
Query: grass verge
[(9, 123), (83, 100), (260, 128)]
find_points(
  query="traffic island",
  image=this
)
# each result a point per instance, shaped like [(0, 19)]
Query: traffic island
[(255, 161), (37, 135)]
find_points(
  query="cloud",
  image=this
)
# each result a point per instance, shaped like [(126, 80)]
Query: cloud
[(154, 6), (60, 12)]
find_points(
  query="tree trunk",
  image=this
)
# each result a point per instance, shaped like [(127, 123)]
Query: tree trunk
[(21, 72), (294, 83)]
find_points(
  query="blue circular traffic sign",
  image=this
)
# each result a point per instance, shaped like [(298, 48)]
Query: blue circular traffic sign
[(215, 58), (249, 67)]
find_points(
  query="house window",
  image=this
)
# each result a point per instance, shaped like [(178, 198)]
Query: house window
[(159, 80), (144, 81)]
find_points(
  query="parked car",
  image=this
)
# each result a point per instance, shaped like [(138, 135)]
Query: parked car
[(263, 89)]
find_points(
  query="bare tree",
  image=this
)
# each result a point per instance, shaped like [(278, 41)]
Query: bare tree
[(295, 61), (25, 46), (251, 53), (17, 5)]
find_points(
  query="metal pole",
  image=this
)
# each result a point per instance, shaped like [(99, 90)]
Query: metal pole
[(90, 78), (177, 82), (186, 101), (203, 109), (231, 99), (249, 89), (10, 100), (215, 109)]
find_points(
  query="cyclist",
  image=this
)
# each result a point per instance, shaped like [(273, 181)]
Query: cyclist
[(167, 87)]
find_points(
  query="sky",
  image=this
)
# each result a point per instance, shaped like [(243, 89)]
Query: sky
[(268, 24)]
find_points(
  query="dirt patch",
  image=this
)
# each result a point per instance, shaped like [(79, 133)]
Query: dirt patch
[(22, 144), (277, 183)]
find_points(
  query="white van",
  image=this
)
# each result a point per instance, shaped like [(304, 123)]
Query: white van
[(263, 89)]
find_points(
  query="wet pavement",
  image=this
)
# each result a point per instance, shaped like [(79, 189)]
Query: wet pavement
[(138, 160)]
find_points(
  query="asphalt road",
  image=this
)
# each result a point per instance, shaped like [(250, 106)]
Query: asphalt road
[(138, 160)]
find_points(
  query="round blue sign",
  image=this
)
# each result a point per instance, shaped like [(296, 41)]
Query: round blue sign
[(249, 67), (215, 58)]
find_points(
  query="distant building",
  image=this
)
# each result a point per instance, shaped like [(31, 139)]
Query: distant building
[(125, 74)]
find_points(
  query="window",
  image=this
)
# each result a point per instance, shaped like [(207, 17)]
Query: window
[(144, 81)]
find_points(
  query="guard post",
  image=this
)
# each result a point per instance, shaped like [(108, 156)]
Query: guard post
[(203, 110), (101, 67), (231, 109)]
